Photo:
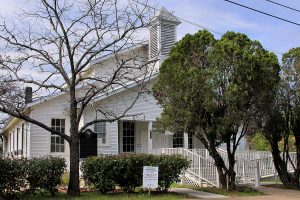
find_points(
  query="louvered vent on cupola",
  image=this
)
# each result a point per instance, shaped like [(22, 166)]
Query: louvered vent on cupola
[(153, 43), (167, 38), (162, 35)]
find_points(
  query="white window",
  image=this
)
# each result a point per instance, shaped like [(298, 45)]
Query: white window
[(128, 137), (100, 129), (57, 142), (178, 140)]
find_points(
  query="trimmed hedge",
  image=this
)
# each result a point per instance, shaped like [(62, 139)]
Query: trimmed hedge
[(12, 177), (45, 173), (126, 171), (22, 176)]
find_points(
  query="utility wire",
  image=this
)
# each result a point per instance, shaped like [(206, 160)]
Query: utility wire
[(201, 26), (279, 4), (253, 9)]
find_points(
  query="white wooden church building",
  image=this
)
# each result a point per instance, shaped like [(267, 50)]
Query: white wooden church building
[(122, 136), (129, 134)]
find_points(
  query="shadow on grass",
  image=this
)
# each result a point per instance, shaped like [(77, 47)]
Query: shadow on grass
[(115, 195)]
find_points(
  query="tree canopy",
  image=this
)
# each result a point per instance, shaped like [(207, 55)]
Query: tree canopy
[(281, 120), (214, 89)]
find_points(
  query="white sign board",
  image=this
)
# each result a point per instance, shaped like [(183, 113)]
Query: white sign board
[(150, 177)]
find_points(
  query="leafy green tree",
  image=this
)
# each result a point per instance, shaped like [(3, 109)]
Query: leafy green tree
[(213, 89), (258, 142), (281, 125)]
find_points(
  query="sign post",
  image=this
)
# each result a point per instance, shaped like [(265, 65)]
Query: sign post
[(150, 177)]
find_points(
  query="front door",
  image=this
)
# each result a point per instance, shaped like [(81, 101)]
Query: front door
[(144, 141), (88, 145)]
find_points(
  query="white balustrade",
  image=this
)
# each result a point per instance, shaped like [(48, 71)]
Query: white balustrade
[(250, 166)]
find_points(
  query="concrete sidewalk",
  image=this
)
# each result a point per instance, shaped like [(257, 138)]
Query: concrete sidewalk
[(198, 194), (271, 194)]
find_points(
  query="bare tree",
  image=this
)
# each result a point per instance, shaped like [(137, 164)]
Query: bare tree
[(51, 48)]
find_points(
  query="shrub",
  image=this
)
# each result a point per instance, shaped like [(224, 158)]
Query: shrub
[(37, 173), (259, 142), (126, 171), (65, 179), (12, 177), (98, 171), (45, 173), (170, 168)]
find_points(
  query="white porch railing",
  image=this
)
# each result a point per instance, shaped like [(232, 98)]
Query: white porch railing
[(201, 170), (250, 166)]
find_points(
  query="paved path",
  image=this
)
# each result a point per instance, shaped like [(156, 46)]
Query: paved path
[(198, 194), (271, 194)]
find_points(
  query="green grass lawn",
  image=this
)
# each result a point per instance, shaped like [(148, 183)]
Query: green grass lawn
[(241, 191), (96, 195)]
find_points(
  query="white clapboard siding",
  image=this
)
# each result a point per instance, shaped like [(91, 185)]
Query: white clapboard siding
[(144, 109), (39, 138)]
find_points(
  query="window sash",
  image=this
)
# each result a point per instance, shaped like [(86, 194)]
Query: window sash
[(57, 142), (128, 137), (100, 129), (178, 140)]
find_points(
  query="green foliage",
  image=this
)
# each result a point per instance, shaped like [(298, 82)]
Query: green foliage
[(12, 177), (100, 172), (45, 173), (215, 89), (215, 85), (259, 142), (126, 171), (281, 121), (17, 175), (65, 179)]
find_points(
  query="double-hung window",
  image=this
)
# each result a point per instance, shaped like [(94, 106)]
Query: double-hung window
[(57, 142), (178, 140), (100, 129)]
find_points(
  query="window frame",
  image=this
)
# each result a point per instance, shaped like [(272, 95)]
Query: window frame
[(176, 138), (61, 142), (128, 139), (105, 133)]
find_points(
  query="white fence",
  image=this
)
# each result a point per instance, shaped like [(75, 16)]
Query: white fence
[(250, 166)]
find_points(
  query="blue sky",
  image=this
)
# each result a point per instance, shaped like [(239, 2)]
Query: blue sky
[(222, 16)]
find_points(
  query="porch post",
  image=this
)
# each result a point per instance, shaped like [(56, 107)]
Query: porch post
[(150, 136), (185, 140), (257, 175)]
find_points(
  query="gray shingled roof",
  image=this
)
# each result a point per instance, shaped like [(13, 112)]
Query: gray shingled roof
[(164, 14)]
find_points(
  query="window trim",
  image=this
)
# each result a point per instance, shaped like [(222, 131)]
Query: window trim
[(106, 135), (57, 136), (131, 136), (178, 137)]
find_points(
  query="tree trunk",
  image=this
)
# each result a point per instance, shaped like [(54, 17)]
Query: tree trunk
[(231, 173), (73, 188), (219, 162), (297, 144), (280, 165), (221, 167)]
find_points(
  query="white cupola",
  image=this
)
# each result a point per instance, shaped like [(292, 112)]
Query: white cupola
[(162, 34)]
